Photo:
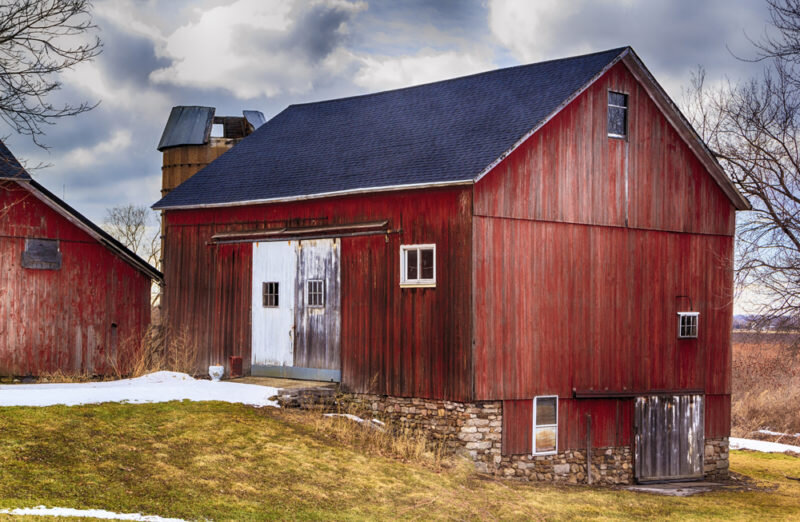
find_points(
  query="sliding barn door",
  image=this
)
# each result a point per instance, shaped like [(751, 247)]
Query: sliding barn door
[(273, 301)]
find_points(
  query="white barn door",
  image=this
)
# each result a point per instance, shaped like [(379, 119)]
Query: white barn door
[(273, 302)]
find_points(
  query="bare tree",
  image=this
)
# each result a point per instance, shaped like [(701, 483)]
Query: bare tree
[(138, 228), (754, 129), (38, 40)]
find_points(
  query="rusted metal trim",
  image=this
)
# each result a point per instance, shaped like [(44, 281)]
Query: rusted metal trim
[(301, 237), (297, 231), (600, 394)]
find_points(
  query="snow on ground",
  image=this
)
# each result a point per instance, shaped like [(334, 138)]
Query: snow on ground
[(762, 445), (779, 434), (42, 511), (155, 387), (373, 423)]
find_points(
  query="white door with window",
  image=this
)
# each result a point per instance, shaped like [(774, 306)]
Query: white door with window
[(273, 303)]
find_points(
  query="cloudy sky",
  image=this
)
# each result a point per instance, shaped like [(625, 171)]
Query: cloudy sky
[(267, 54)]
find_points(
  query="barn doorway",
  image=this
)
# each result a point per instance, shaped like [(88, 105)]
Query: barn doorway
[(296, 305), (669, 438)]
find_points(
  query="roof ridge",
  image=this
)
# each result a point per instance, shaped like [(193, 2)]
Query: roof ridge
[(619, 50)]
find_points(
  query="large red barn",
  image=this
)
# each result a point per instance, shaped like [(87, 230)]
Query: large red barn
[(72, 298), (534, 262)]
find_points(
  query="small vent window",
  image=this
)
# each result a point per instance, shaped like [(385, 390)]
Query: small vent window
[(687, 325), (269, 294), (418, 265), (315, 290), (617, 114), (41, 254)]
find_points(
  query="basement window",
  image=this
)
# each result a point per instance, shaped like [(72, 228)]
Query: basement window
[(418, 265), (41, 254), (269, 294), (687, 325), (617, 114), (545, 425), (315, 292)]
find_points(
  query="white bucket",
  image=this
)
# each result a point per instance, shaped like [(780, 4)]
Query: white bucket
[(216, 372)]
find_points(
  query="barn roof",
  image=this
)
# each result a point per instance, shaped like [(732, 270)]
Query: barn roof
[(441, 133), (10, 168)]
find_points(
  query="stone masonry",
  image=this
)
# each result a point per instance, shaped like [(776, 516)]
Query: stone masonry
[(715, 460)]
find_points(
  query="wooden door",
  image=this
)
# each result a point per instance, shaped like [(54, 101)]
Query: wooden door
[(669, 438), (272, 307), (318, 305)]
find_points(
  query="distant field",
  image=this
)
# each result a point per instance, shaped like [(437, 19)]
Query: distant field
[(766, 383), (225, 461)]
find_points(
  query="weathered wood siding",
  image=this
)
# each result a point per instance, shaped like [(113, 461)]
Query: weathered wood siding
[(404, 342), (63, 319), (582, 245)]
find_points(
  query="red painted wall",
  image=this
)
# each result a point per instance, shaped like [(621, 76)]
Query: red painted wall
[(405, 342), (592, 303), (54, 320)]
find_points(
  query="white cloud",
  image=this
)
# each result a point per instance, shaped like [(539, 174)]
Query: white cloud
[(117, 143), (381, 73), (529, 29), (255, 47)]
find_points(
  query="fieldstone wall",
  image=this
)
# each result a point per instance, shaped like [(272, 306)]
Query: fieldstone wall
[(476, 430), (715, 460)]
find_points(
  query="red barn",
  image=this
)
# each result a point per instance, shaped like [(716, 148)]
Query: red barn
[(535, 263), (72, 298)]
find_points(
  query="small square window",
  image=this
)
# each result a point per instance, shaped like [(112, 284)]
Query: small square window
[(269, 294), (545, 425), (418, 265), (41, 254), (617, 114), (315, 292), (687, 325)]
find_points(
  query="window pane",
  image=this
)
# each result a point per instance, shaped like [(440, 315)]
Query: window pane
[(316, 291), (616, 120), (545, 411), (411, 265), (616, 98), (270, 291), (41, 254), (545, 439), (427, 263)]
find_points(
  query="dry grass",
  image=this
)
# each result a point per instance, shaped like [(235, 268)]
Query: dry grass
[(766, 384), (388, 440), (160, 349)]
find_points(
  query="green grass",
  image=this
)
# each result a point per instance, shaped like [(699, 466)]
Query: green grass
[(222, 461)]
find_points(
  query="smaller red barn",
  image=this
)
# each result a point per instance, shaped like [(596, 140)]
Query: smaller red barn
[(72, 298)]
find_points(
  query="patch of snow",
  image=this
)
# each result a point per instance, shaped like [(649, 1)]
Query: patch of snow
[(375, 423), (154, 387), (779, 434), (42, 511), (762, 446)]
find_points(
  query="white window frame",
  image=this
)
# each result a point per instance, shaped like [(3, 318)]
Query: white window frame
[(627, 114), (696, 315), (321, 293), (419, 282), (555, 426)]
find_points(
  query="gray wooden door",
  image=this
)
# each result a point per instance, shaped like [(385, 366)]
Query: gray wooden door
[(317, 311), (669, 438)]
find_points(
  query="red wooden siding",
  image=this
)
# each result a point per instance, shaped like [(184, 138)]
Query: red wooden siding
[(718, 416), (570, 171), (517, 427), (62, 319), (595, 309), (405, 342)]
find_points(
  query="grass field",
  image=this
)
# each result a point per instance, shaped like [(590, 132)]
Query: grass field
[(223, 461)]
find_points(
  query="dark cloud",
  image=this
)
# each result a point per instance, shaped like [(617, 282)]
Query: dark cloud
[(128, 58), (318, 31)]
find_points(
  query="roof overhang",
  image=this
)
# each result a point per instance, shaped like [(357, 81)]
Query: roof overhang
[(93, 230)]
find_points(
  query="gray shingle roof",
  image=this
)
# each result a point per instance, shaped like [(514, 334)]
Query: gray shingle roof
[(10, 168), (439, 132)]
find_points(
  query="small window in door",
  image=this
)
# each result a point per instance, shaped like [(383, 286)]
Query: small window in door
[(315, 292), (269, 294)]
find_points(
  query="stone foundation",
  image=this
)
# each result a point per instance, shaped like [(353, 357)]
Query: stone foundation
[(715, 460), (476, 430)]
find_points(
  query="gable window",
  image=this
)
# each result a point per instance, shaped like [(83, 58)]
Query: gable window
[(41, 254), (617, 114), (545, 425), (315, 292), (269, 294), (687, 325), (418, 265)]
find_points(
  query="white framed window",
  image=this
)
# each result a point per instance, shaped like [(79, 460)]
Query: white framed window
[(418, 265), (687, 325), (545, 425), (617, 114), (315, 293)]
